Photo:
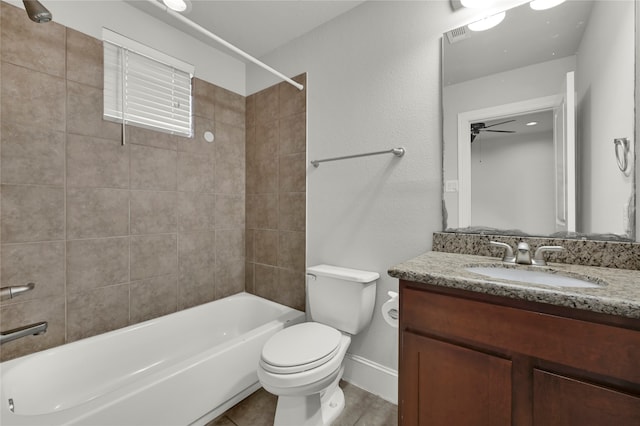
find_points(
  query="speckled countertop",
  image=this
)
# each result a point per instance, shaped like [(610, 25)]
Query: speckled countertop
[(619, 294)]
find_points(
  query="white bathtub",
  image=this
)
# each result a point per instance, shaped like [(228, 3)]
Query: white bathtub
[(180, 369)]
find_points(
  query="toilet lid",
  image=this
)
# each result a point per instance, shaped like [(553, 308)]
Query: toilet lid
[(300, 347)]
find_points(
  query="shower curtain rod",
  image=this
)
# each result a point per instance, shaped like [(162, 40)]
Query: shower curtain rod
[(225, 43)]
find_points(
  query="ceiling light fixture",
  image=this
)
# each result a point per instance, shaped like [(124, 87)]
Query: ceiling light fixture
[(544, 4), (531, 123), (177, 5), (488, 22)]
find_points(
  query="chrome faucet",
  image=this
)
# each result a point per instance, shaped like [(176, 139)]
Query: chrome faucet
[(523, 253), (13, 291), (27, 330)]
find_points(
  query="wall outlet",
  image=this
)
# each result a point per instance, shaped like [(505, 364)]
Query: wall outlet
[(451, 186), (625, 217)]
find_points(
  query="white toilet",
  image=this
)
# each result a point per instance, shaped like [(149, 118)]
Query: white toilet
[(302, 364)]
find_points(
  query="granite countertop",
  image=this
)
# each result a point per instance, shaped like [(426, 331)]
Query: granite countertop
[(619, 294)]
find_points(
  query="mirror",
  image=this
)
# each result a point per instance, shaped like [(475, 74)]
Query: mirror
[(571, 71)]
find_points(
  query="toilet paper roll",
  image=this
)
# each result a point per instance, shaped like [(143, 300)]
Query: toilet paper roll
[(390, 311)]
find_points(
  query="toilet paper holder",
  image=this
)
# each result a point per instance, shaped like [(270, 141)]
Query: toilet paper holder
[(390, 310)]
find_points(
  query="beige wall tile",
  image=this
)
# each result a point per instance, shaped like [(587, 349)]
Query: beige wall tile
[(292, 288), (291, 252), (32, 213), (116, 205), (97, 311), (293, 100), (196, 172), (85, 110), (266, 142), (196, 260), (84, 59), (229, 211), (153, 168), (230, 107), (153, 212), (32, 155), (94, 212), (266, 247), (203, 99), (153, 297), (229, 278), (267, 105), (41, 96), (292, 173), (291, 211), (141, 136), (38, 47), (249, 272), (262, 211), (197, 143), (97, 263), (249, 244), (196, 287), (250, 111), (230, 159), (229, 245), (195, 211), (39, 263), (94, 162), (49, 309), (293, 136), (266, 282), (153, 255)]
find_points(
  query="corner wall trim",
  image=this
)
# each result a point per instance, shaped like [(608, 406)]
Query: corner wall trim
[(372, 377)]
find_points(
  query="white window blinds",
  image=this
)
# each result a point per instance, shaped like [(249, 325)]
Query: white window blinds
[(149, 88)]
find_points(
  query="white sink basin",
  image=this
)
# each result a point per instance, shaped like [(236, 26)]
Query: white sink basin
[(544, 277)]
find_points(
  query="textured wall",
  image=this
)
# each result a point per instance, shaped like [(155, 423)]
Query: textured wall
[(111, 235), (276, 193)]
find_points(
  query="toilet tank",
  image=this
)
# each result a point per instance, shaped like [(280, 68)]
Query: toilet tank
[(342, 298)]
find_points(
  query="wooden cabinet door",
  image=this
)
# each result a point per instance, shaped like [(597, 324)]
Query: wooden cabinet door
[(562, 401), (444, 384)]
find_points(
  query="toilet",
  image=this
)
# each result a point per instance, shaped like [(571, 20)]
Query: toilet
[(302, 364)]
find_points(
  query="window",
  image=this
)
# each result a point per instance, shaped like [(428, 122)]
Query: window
[(156, 93)]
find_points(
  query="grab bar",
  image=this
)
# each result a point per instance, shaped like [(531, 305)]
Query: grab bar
[(13, 291), (398, 152)]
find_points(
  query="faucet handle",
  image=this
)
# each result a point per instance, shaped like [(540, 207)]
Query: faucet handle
[(508, 253), (538, 257)]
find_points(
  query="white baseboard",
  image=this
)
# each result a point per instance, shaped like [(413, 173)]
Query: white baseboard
[(372, 377)]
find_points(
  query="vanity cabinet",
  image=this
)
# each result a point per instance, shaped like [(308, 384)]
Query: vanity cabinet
[(468, 358)]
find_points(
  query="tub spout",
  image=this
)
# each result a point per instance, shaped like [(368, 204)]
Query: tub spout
[(13, 291), (28, 330)]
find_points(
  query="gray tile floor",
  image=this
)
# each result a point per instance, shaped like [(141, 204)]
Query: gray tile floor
[(361, 409)]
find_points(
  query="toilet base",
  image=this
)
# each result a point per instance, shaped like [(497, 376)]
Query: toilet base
[(318, 409)]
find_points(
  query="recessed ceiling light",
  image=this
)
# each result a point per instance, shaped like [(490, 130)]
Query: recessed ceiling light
[(532, 123), (487, 23), (177, 5), (544, 4)]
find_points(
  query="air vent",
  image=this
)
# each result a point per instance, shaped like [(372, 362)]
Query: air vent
[(457, 34)]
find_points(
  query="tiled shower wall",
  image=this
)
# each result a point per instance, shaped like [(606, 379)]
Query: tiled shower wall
[(276, 193), (112, 235)]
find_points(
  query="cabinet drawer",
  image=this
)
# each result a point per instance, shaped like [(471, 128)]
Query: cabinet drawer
[(601, 349)]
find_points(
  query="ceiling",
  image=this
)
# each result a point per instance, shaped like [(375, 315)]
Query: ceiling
[(525, 37), (544, 120), (257, 27)]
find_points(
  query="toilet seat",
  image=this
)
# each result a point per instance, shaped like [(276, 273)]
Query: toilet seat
[(300, 348)]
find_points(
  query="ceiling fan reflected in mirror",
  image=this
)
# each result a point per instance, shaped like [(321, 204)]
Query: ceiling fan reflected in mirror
[(476, 128)]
